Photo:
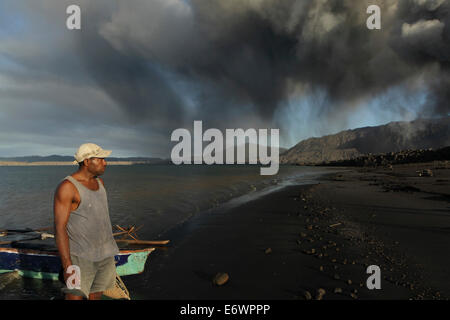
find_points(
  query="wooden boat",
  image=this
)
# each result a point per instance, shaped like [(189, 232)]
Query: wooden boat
[(34, 256), (47, 264)]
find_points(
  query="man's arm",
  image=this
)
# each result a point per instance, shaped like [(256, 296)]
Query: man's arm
[(61, 208)]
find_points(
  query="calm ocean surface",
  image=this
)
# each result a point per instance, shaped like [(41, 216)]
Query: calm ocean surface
[(155, 196), (159, 197)]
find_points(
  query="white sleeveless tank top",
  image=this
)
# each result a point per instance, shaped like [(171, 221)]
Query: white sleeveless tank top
[(89, 226)]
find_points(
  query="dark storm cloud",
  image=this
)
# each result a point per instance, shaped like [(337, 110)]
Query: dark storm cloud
[(133, 82), (58, 85), (252, 50), (423, 39), (153, 66)]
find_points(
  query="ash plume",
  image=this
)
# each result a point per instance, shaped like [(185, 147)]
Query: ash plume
[(241, 63), (251, 52)]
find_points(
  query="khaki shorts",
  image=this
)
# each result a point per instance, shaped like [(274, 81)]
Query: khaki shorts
[(95, 276)]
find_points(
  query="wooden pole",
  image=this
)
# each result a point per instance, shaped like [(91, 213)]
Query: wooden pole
[(9, 242), (149, 242)]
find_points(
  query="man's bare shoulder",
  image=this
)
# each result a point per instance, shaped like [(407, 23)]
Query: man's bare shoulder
[(65, 188)]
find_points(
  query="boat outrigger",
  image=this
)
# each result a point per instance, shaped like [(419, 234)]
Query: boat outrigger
[(40, 264), (33, 255)]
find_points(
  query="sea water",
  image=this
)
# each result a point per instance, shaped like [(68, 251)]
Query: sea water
[(156, 197)]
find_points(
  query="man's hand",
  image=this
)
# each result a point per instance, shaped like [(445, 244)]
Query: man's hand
[(67, 275)]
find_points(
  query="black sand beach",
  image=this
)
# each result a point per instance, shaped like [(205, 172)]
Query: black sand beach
[(288, 244), (292, 242)]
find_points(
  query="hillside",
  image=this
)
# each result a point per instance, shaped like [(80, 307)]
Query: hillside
[(392, 137)]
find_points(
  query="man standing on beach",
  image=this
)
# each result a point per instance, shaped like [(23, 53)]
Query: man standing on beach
[(83, 228)]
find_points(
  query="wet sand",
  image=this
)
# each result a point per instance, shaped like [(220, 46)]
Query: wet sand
[(288, 244), (320, 236)]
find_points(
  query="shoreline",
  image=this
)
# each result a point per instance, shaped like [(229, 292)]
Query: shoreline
[(289, 243), (259, 189), (58, 163)]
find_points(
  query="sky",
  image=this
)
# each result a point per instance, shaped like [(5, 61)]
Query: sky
[(137, 70)]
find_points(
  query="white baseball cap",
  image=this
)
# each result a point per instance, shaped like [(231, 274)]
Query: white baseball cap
[(90, 150)]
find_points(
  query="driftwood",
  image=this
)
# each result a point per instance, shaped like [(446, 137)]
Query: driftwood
[(335, 225)]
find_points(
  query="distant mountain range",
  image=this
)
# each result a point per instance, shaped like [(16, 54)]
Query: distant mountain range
[(57, 158), (345, 145), (392, 137)]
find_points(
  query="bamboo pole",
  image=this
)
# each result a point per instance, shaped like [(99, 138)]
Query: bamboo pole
[(119, 233), (9, 242), (25, 230), (149, 242)]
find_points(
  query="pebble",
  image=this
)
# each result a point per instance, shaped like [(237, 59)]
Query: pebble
[(336, 277), (321, 268), (307, 295), (221, 278), (337, 290), (353, 295), (349, 282), (7, 278), (320, 293), (268, 250)]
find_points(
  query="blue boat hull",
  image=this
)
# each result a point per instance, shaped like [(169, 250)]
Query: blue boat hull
[(47, 265)]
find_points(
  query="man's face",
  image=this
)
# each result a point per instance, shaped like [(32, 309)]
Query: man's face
[(96, 166)]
